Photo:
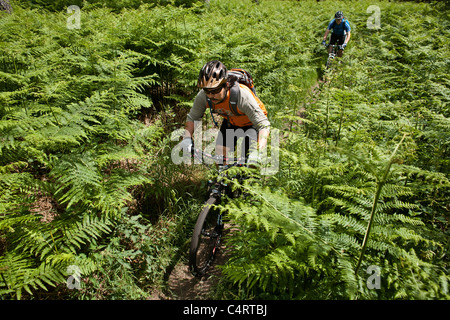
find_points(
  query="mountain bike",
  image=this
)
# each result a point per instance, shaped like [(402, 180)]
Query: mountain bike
[(209, 227), (333, 53)]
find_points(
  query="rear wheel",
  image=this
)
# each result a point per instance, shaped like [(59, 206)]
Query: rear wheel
[(205, 239)]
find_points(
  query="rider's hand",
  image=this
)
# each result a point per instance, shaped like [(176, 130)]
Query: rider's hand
[(324, 42), (343, 46), (187, 144)]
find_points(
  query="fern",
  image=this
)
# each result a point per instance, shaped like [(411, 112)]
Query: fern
[(19, 275), (282, 244), (70, 105), (68, 127)]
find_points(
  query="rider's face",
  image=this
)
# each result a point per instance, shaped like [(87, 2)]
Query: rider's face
[(216, 97), (338, 21)]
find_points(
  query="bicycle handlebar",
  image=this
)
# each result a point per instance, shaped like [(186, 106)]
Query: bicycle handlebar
[(340, 47), (217, 158)]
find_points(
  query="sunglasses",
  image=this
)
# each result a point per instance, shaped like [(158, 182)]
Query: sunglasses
[(213, 91)]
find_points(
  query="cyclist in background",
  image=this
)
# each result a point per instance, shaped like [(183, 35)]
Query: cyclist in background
[(341, 32)]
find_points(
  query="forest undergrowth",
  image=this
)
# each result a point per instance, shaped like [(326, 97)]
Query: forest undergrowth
[(93, 207)]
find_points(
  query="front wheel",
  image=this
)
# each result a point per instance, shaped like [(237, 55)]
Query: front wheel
[(331, 57), (205, 239)]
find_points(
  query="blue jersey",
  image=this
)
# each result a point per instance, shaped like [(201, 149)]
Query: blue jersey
[(339, 29)]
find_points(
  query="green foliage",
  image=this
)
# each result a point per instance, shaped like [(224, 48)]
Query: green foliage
[(116, 5), (290, 248), (334, 162), (285, 248), (86, 177), (129, 262), (70, 140)]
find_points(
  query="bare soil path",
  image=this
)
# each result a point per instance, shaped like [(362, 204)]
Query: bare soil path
[(182, 285)]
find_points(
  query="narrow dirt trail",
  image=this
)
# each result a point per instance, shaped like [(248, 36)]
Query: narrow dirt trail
[(182, 285)]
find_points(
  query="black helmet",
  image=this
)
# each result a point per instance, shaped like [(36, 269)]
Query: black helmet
[(339, 15), (212, 75)]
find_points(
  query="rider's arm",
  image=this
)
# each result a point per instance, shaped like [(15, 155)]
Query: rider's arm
[(348, 30), (195, 114), (189, 129), (347, 37), (249, 106), (325, 36), (262, 138), (330, 26)]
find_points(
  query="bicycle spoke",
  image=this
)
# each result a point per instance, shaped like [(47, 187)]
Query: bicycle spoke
[(205, 240)]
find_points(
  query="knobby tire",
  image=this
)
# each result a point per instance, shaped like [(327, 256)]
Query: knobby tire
[(205, 239)]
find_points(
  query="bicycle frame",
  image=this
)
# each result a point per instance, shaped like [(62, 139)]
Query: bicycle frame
[(208, 229), (219, 187), (221, 161), (333, 53)]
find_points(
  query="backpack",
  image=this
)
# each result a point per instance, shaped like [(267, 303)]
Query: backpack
[(236, 76), (242, 76)]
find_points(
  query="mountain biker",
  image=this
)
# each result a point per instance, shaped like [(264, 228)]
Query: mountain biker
[(341, 32), (252, 117)]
